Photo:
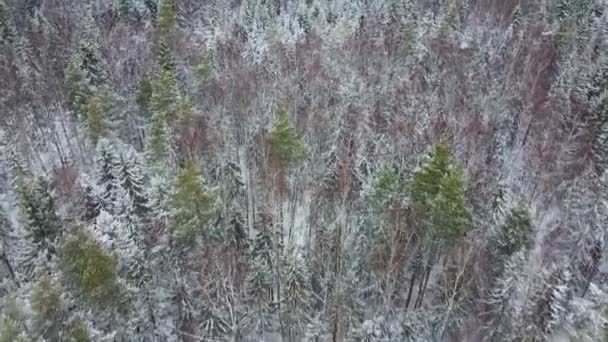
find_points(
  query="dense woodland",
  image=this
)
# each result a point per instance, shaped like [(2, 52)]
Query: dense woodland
[(318, 170)]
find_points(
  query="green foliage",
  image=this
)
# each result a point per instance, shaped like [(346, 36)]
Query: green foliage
[(516, 233), (7, 25), (438, 189), (157, 148), (166, 21), (166, 61), (90, 268), (386, 188), (144, 94), (77, 331), (77, 87), (408, 38), (285, 143), (96, 124), (37, 209), (49, 312), (204, 68), (12, 324), (192, 205), (164, 95)]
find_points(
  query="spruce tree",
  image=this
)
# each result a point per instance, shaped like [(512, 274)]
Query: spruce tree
[(77, 87), (131, 178), (192, 205), (7, 25), (144, 94), (37, 210), (108, 164), (96, 124), (438, 190), (386, 188), (295, 294), (167, 20), (515, 234), (285, 143)]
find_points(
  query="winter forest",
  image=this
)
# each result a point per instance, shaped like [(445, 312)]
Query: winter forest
[(314, 170)]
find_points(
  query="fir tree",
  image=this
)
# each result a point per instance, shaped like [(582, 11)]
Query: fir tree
[(285, 143), (192, 205), (144, 94), (96, 124)]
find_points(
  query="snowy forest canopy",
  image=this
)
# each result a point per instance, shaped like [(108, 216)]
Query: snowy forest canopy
[(318, 170)]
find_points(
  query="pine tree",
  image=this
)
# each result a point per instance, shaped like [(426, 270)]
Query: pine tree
[(90, 268), (192, 205), (96, 124), (144, 94), (285, 143)]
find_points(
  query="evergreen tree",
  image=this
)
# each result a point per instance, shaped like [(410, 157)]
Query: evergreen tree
[(49, 311), (130, 177), (108, 164), (167, 20), (192, 205), (166, 60), (516, 233), (157, 149), (204, 68), (386, 188), (295, 295), (259, 284), (37, 210), (438, 190), (77, 87), (285, 143), (7, 25), (144, 94), (12, 324), (89, 268), (263, 243), (96, 124)]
